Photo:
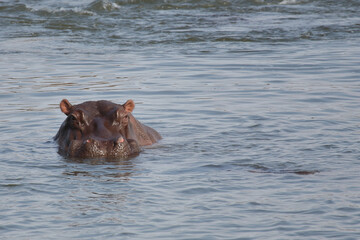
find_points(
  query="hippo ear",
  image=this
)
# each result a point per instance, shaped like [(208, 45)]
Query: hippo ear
[(65, 106), (129, 106)]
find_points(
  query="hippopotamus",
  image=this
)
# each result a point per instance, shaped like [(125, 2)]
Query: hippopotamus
[(102, 129)]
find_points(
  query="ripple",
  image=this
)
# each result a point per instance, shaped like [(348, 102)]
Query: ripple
[(298, 172), (199, 190)]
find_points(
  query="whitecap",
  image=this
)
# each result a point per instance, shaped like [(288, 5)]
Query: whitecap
[(286, 2), (102, 5)]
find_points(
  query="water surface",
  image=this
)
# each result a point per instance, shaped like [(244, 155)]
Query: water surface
[(257, 102)]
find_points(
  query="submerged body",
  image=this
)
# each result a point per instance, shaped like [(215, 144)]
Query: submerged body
[(102, 129)]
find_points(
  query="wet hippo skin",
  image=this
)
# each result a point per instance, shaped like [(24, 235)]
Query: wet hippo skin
[(102, 129)]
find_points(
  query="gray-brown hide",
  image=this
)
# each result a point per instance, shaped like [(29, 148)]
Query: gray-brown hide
[(102, 129)]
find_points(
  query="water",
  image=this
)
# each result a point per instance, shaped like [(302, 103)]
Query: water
[(257, 102)]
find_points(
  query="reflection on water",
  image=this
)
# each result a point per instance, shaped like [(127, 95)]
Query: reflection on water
[(85, 204)]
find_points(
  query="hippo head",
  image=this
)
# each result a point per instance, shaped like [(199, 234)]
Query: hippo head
[(96, 129)]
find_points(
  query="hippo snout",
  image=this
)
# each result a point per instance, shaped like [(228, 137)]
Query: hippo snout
[(92, 148)]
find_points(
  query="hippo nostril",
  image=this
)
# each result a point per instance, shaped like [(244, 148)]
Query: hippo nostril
[(117, 141), (120, 140)]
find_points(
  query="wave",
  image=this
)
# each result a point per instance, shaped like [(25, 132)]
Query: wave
[(192, 21), (113, 5), (102, 5), (92, 8)]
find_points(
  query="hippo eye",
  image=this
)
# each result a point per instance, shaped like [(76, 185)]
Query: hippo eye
[(74, 121)]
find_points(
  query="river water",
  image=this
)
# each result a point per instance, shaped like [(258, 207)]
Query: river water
[(257, 102)]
